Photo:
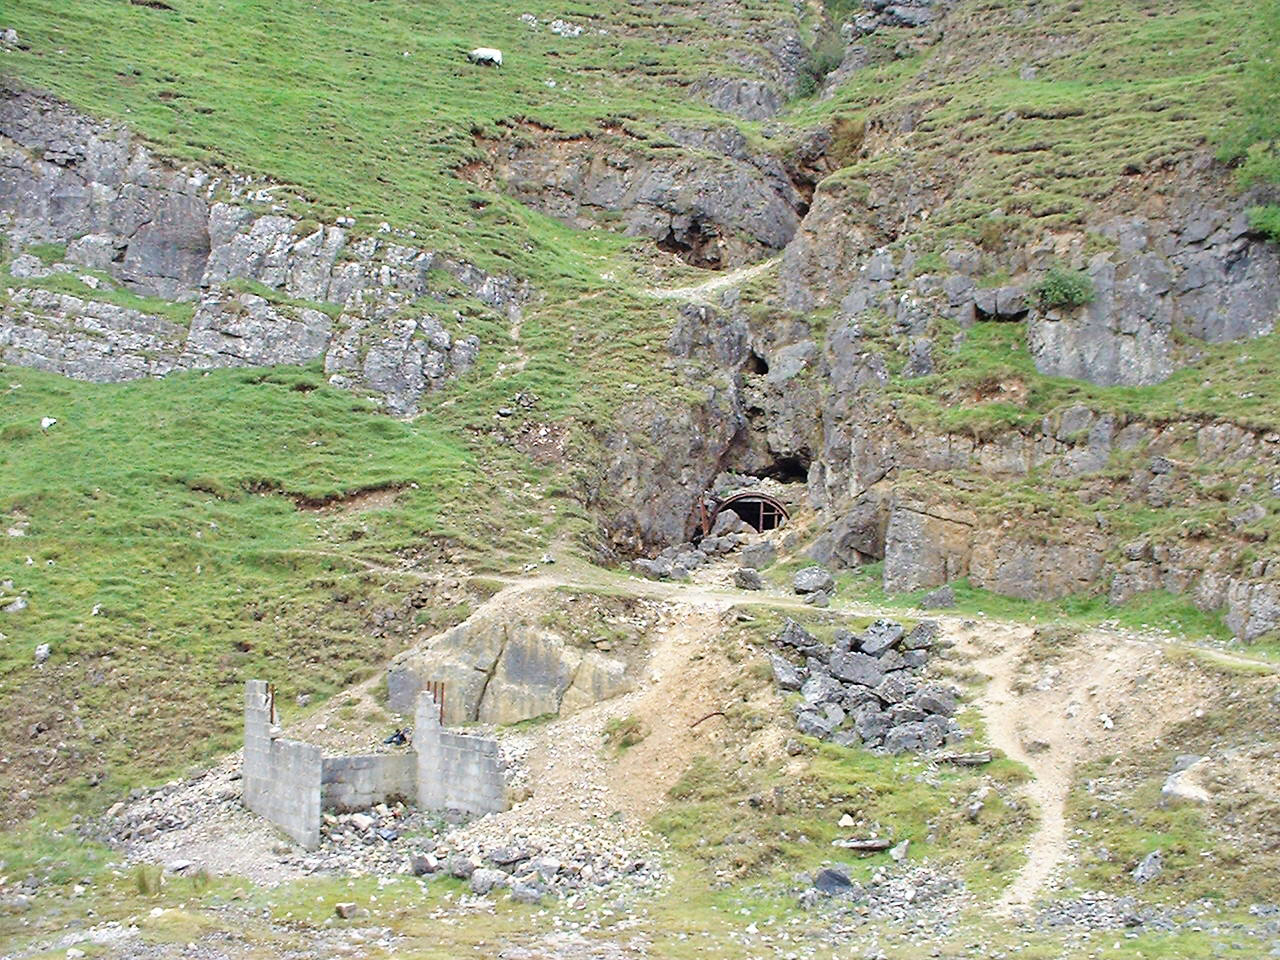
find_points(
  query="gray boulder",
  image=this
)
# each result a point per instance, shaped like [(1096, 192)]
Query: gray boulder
[(905, 712), (814, 724), (786, 675), (872, 725), (915, 659), (857, 668), (526, 893), (690, 559), (833, 882), (820, 689), (461, 867), (894, 688), (484, 880), (659, 569), (935, 698), (1149, 867), (856, 697), (814, 580), (744, 578), (880, 636), (910, 737), (819, 599), (794, 635), (921, 637), (758, 555), (940, 599)]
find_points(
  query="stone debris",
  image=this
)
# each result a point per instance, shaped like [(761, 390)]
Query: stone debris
[(866, 689), (678, 561), (896, 892), (529, 856)]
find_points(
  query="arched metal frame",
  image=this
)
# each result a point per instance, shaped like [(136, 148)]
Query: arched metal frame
[(772, 512)]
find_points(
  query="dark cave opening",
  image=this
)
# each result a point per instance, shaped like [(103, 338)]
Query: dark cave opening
[(760, 511), (757, 364), (698, 246), (788, 470)]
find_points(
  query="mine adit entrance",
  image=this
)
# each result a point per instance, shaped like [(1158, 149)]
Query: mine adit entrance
[(760, 510)]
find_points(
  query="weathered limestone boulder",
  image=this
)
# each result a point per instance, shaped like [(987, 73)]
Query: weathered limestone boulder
[(499, 669), (813, 580)]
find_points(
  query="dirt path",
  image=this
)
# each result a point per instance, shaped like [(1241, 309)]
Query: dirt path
[(703, 291), (1052, 710), (1050, 769)]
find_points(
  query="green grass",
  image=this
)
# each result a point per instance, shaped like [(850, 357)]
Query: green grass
[(758, 825), (106, 292), (171, 508), (1156, 611), (1225, 851), (367, 112)]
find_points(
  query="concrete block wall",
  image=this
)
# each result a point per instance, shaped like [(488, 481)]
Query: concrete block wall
[(359, 782), (456, 771), (281, 779)]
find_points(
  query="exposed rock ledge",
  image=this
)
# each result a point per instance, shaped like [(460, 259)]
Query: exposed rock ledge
[(184, 235)]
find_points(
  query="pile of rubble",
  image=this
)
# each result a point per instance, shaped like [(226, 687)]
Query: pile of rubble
[(729, 533), (890, 893), (866, 689), (201, 822), (565, 861)]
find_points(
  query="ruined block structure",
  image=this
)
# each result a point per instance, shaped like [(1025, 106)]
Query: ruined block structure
[(289, 782)]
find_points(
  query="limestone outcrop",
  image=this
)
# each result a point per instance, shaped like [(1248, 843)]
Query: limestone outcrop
[(502, 667), (267, 288)]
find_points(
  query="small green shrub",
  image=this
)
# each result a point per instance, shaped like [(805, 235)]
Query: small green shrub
[(623, 732), (1064, 288), (1266, 220)]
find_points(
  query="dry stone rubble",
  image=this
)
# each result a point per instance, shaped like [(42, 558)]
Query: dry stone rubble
[(866, 689)]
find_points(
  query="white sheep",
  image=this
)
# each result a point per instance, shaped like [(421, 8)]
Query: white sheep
[(486, 56)]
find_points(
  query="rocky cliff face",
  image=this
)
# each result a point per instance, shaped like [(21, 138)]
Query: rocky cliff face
[(266, 288), (1187, 264), (888, 490), (700, 193)]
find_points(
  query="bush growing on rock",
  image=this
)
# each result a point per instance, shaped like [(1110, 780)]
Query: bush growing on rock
[(1064, 288)]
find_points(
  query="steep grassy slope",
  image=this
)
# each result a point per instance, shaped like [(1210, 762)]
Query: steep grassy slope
[(164, 552), (366, 111)]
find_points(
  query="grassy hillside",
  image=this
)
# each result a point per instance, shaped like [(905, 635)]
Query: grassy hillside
[(367, 110), (174, 506)]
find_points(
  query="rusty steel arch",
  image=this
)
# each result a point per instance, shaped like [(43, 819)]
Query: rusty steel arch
[(769, 512)]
